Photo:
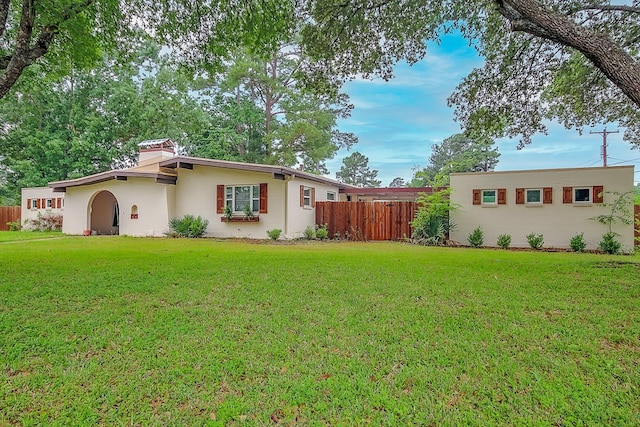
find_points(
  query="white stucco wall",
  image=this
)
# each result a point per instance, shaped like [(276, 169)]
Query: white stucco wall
[(151, 199), (45, 193), (196, 194), (558, 221)]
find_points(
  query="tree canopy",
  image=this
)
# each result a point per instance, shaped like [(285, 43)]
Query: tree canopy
[(458, 153), (355, 171), (571, 60)]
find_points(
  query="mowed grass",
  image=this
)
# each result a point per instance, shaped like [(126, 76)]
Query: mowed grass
[(15, 236), (127, 331)]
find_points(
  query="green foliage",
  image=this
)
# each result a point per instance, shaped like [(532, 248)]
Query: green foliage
[(458, 153), (310, 232), (476, 237), (14, 225), (189, 226), (321, 232), (228, 212), (248, 213), (577, 243), (274, 234), (504, 241), (621, 210), (609, 244), (432, 222), (44, 222), (535, 240), (355, 171)]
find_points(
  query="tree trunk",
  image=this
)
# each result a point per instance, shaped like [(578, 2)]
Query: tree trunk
[(534, 18)]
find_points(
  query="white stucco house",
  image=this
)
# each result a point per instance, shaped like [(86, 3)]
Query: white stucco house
[(558, 203), (140, 201), (39, 201)]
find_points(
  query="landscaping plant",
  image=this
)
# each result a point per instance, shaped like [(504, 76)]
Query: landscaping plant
[(504, 241), (609, 244), (310, 232), (322, 232), (535, 240), (476, 237), (577, 243), (189, 226), (432, 223), (274, 234)]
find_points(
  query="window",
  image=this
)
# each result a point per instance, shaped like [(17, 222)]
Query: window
[(331, 196), (239, 196), (49, 204), (307, 197), (582, 195), (489, 197), (34, 204), (533, 196)]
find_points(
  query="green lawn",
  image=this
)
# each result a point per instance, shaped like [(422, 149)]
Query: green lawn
[(15, 236), (128, 331)]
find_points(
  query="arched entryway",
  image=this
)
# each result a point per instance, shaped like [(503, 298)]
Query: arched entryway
[(104, 214)]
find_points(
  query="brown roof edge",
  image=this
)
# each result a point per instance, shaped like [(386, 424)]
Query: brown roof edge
[(61, 186), (188, 162)]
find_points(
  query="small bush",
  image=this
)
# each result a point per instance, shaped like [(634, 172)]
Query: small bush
[(577, 243), (476, 237), (310, 232), (14, 226), (609, 244), (274, 234), (189, 226), (504, 241), (322, 232), (45, 222), (535, 240)]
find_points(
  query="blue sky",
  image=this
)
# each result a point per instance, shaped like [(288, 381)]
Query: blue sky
[(398, 121)]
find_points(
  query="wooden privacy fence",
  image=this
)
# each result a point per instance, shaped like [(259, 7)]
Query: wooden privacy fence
[(8, 214), (367, 220)]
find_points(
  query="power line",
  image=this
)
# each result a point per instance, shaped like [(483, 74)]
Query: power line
[(604, 134)]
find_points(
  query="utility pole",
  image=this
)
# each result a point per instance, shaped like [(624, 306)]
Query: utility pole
[(604, 134)]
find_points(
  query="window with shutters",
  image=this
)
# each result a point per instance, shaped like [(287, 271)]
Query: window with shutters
[(49, 203), (239, 197), (307, 197), (533, 196), (581, 195), (35, 204), (489, 197)]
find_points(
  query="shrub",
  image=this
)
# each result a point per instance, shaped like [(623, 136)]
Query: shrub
[(322, 232), (14, 226), (577, 243), (310, 232), (504, 241), (476, 237), (45, 222), (535, 240), (274, 234), (609, 244), (189, 226), (432, 222)]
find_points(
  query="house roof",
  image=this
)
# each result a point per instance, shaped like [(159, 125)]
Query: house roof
[(162, 172), (119, 175), (277, 171)]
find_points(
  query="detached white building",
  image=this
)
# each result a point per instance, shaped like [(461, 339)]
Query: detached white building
[(558, 203), (40, 201), (140, 201)]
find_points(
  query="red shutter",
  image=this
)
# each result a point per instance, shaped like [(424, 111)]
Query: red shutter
[(567, 194), (38, 203), (302, 196), (519, 196), (547, 195), (598, 194), (220, 199), (313, 197), (28, 203), (502, 196), (263, 198), (476, 197)]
